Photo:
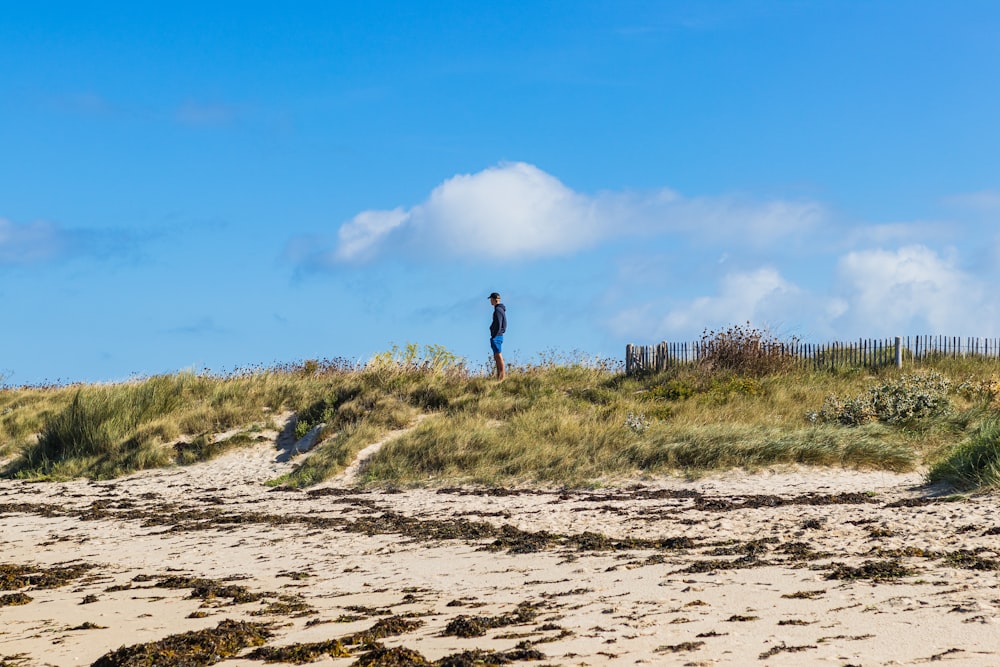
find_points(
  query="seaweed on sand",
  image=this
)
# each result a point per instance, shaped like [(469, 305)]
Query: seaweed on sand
[(190, 649), (287, 605), (784, 648), (883, 570), (716, 504), (300, 654), (337, 648), (19, 660), (385, 627), (718, 564), (970, 560), (477, 626), (800, 551), (208, 589), (480, 658), (679, 648), (14, 599), (749, 548), (397, 656), (14, 577), (805, 595)]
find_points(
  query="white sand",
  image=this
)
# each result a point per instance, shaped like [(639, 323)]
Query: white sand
[(603, 607)]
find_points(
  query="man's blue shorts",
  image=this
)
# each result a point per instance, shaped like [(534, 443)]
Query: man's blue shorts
[(496, 343)]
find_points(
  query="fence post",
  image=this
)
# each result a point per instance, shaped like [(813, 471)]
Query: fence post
[(899, 351)]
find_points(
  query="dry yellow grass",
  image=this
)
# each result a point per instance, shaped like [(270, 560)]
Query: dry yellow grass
[(572, 423)]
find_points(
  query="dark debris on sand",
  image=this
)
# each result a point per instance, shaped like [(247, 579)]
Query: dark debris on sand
[(875, 570), (14, 577), (190, 649), (477, 626)]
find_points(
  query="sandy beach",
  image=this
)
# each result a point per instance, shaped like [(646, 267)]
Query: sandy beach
[(779, 567)]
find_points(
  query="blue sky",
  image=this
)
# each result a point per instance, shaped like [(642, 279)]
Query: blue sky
[(216, 185)]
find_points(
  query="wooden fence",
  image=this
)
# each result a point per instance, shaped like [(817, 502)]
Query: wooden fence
[(868, 353)]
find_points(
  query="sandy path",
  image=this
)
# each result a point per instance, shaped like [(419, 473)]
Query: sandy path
[(349, 477), (733, 569)]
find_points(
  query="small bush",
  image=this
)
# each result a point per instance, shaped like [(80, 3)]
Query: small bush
[(676, 389), (745, 350), (723, 389), (637, 423), (986, 390), (909, 398)]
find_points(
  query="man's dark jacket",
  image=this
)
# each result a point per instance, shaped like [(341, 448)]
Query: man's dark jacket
[(499, 324)]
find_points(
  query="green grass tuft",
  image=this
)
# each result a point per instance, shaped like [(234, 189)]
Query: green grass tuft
[(973, 464)]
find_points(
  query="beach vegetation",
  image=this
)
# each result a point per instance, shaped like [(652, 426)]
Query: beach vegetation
[(906, 399), (191, 649), (559, 420), (974, 463)]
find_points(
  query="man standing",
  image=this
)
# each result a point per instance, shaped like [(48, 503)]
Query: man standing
[(497, 329)]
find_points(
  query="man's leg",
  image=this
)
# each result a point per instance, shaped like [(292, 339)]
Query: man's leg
[(501, 370)]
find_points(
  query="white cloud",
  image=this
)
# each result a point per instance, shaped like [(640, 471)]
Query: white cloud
[(894, 290), (720, 218), (745, 296), (517, 211), (33, 242), (912, 290), (358, 238), (513, 210), (761, 296)]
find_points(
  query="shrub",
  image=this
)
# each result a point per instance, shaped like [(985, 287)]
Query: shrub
[(745, 350), (675, 390), (986, 390), (637, 423), (909, 398), (723, 389)]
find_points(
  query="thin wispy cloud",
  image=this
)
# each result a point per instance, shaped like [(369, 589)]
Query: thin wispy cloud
[(200, 327), (44, 241), (987, 201), (200, 114), (191, 112), (86, 103), (33, 242), (896, 233)]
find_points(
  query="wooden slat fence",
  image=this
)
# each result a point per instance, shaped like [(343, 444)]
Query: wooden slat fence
[(862, 353)]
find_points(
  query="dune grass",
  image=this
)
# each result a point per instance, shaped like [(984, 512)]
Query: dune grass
[(578, 426), (573, 422), (973, 464), (105, 431)]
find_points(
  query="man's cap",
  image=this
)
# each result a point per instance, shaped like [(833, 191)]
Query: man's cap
[(494, 295)]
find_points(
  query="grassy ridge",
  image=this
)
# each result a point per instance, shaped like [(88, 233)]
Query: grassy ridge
[(574, 422)]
